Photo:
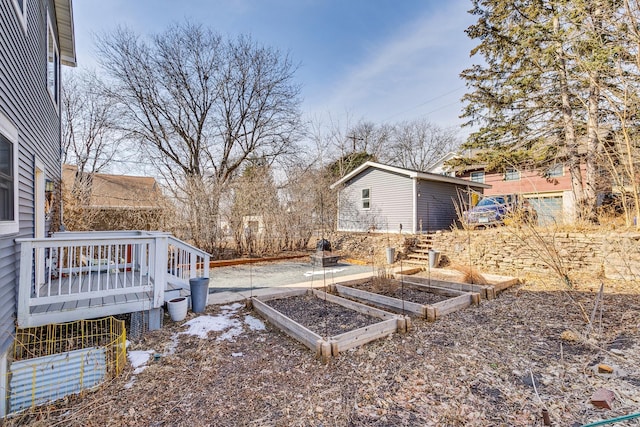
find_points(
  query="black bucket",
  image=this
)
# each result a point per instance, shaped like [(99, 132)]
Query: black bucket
[(323, 245)]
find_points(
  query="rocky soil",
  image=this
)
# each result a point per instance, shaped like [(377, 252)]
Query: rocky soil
[(498, 364)]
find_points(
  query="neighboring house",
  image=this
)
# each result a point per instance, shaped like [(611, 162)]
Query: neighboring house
[(440, 167), (113, 202), (35, 38), (549, 194), (382, 198)]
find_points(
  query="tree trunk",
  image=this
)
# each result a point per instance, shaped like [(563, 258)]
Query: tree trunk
[(571, 142), (590, 197)]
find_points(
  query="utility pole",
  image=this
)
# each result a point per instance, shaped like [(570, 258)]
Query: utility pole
[(354, 138)]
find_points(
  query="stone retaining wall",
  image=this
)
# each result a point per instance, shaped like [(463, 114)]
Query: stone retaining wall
[(512, 250), (611, 255)]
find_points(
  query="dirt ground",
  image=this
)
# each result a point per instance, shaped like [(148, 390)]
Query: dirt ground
[(498, 364)]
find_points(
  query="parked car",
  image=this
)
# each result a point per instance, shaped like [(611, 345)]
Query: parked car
[(495, 210)]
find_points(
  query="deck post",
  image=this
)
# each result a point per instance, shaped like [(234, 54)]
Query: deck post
[(24, 283), (155, 318), (193, 266), (207, 260), (161, 243)]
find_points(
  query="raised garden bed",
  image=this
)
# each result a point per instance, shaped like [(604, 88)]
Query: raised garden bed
[(429, 302), (496, 284), (326, 323)]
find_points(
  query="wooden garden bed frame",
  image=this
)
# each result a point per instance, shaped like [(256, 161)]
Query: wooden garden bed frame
[(331, 346), (458, 299), (496, 284)]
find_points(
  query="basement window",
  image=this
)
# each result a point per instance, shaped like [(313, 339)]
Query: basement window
[(366, 198)]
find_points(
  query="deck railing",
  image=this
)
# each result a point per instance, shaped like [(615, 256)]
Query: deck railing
[(75, 275), (185, 262)]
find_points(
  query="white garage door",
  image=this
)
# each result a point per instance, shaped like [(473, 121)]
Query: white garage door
[(549, 209)]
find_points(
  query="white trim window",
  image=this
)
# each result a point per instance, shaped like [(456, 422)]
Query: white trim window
[(555, 170), (511, 174), (8, 177), (366, 198), (53, 63), (21, 10), (477, 177)]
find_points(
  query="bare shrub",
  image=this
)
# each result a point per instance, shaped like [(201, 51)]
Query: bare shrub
[(470, 274), (383, 282)]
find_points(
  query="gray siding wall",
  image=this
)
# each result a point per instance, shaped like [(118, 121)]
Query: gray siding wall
[(390, 202), (437, 205), (25, 101)]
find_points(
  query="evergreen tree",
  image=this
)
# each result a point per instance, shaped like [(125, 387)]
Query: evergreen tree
[(537, 96)]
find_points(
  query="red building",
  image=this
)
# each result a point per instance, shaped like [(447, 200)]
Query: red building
[(550, 195)]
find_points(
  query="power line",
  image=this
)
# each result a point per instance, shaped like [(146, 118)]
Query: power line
[(427, 102)]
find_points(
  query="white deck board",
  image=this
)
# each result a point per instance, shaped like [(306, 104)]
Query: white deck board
[(81, 286)]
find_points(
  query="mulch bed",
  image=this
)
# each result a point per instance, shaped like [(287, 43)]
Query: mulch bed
[(498, 364), (395, 289), (322, 317)]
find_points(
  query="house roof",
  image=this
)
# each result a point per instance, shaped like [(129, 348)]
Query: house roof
[(426, 176), (439, 163), (64, 21), (119, 191)]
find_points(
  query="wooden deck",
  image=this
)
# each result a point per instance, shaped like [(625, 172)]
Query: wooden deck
[(86, 275), (74, 284), (92, 295)]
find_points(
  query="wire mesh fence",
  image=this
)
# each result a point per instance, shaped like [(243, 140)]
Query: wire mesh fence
[(53, 361)]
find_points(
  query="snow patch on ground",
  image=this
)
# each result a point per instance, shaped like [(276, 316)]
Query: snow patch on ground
[(254, 323), (231, 308), (202, 325), (231, 333), (139, 359), (174, 344)]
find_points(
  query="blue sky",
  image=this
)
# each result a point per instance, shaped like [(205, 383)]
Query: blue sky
[(378, 60)]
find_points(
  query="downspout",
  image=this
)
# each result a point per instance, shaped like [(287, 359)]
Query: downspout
[(415, 205)]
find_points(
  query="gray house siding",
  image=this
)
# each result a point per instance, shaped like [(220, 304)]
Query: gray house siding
[(390, 202), (26, 103), (437, 205)]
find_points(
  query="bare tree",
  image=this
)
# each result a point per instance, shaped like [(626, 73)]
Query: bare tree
[(418, 144), (90, 139), (200, 106), (367, 137), (89, 136)]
